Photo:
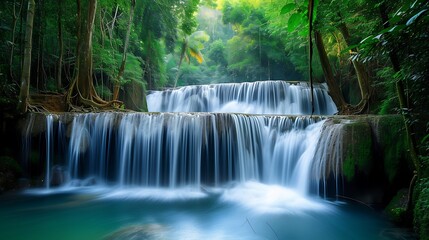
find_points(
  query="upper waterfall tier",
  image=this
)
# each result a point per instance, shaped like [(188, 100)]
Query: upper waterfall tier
[(267, 97)]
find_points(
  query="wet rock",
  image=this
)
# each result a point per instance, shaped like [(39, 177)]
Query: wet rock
[(59, 176)]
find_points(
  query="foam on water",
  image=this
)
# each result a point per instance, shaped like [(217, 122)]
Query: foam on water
[(274, 199)]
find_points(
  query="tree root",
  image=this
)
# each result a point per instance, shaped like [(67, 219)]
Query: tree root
[(79, 103), (348, 109), (36, 108)]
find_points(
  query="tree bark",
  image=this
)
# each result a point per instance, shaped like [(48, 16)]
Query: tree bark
[(310, 46), (84, 59), (82, 91), (60, 45), (39, 43), (182, 55), (361, 72), (124, 55), (334, 89), (12, 48), (26, 67), (148, 70)]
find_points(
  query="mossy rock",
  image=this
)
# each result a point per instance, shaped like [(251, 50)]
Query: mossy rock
[(391, 139), (358, 149), (396, 209)]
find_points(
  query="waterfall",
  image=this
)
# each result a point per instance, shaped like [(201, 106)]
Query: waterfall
[(49, 142), (186, 149), (267, 97), (200, 149), (329, 155)]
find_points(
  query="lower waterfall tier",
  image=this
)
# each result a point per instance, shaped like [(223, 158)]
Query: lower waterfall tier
[(176, 150)]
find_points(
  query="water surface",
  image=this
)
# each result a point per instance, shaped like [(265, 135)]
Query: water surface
[(248, 210)]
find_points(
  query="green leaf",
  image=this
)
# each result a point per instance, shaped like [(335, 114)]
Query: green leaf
[(303, 32), (316, 5), (294, 21), (288, 8), (413, 19)]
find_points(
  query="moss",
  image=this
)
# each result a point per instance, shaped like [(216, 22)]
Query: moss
[(393, 143), (358, 145), (397, 208), (349, 168), (421, 210)]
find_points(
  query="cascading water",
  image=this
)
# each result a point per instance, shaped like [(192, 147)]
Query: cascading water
[(196, 175), (199, 149), (49, 126), (268, 97), (176, 150)]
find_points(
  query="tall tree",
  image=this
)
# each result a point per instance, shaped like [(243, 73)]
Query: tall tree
[(60, 44), (12, 42), (191, 47), (82, 91), (26, 67), (334, 89), (124, 54)]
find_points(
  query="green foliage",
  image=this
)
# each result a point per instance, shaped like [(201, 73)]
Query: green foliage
[(133, 70), (194, 43), (396, 210), (288, 8), (406, 36), (386, 87), (103, 91), (217, 53), (189, 22), (295, 20), (254, 53), (421, 210)]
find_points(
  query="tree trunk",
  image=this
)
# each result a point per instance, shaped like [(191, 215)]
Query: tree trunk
[(310, 46), (60, 45), (361, 72), (148, 70), (400, 90), (334, 89), (39, 58), (124, 55), (82, 91), (182, 55), (26, 67), (12, 48), (84, 58)]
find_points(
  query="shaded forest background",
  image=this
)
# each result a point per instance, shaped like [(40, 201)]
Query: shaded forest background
[(150, 45), (90, 54)]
